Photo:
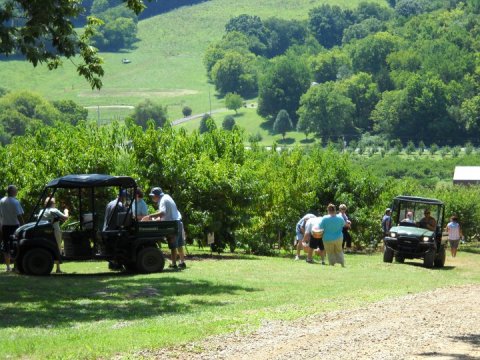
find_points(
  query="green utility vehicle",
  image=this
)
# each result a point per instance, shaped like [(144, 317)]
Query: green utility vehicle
[(414, 236), (125, 243)]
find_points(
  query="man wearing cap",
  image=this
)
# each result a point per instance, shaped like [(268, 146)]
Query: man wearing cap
[(113, 208), (167, 211), (11, 217), (387, 221)]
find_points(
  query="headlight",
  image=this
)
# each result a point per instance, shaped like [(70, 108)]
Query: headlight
[(393, 234), (426, 238)]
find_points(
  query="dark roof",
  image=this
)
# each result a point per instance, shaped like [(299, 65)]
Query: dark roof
[(419, 200), (91, 180)]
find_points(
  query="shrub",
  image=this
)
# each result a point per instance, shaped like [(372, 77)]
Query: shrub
[(187, 111), (228, 122), (207, 124)]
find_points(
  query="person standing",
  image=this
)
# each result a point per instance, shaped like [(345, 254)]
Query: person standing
[(167, 211), (347, 238), (54, 216), (332, 226), (11, 217), (300, 233), (387, 221), (139, 206), (454, 234)]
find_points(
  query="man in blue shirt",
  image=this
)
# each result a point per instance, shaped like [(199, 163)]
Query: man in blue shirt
[(387, 221)]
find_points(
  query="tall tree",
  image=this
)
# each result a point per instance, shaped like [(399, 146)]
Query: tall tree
[(326, 110), (331, 65), (286, 78), (282, 123), (233, 101), (327, 23), (252, 26), (363, 92), (235, 73)]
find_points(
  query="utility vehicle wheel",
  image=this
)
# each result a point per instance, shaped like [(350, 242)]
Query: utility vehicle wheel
[(440, 258), (399, 258), (387, 255), (37, 261), (150, 260), (429, 259)]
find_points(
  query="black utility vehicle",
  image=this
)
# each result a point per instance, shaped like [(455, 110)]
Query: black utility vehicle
[(128, 243), (410, 239)]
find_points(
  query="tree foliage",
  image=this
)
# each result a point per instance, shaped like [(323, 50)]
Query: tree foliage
[(228, 123), (235, 73), (148, 110), (326, 111), (207, 124), (282, 85), (70, 111), (233, 101), (328, 22), (282, 123)]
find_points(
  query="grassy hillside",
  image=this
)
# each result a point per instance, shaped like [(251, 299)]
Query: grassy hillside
[(166, 64)]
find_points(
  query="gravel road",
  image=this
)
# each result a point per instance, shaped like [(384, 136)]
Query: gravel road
[(439, 324)]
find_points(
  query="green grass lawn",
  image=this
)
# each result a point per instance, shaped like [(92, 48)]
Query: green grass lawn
[(91, 312), (166, 65)]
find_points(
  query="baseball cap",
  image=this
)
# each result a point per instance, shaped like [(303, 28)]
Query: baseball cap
[(388, 209), (156, 191)]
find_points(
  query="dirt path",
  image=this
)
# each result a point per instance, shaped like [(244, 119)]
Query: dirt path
[(417, 326)]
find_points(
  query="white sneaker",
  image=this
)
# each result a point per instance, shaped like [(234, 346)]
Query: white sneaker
[(297, 258)]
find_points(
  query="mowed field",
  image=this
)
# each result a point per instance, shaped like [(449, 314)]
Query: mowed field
[(90, 312), (166, 65)]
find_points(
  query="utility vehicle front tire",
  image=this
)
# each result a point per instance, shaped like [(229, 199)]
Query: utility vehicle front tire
[(387, 255), (429, 259), (150, 260), (37, 261)]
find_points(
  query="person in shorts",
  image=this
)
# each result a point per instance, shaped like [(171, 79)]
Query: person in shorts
[(167, 211), (313, 237), (11, 217), (454, 234), (300, 233)]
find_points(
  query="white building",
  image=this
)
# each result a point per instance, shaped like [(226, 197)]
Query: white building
[(466, 175)]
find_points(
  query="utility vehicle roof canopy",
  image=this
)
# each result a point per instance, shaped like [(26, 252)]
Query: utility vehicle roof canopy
[(90, 181), (418, 200)]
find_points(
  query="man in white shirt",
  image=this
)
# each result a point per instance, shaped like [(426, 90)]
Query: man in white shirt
[(167, 211), (11, 217)]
